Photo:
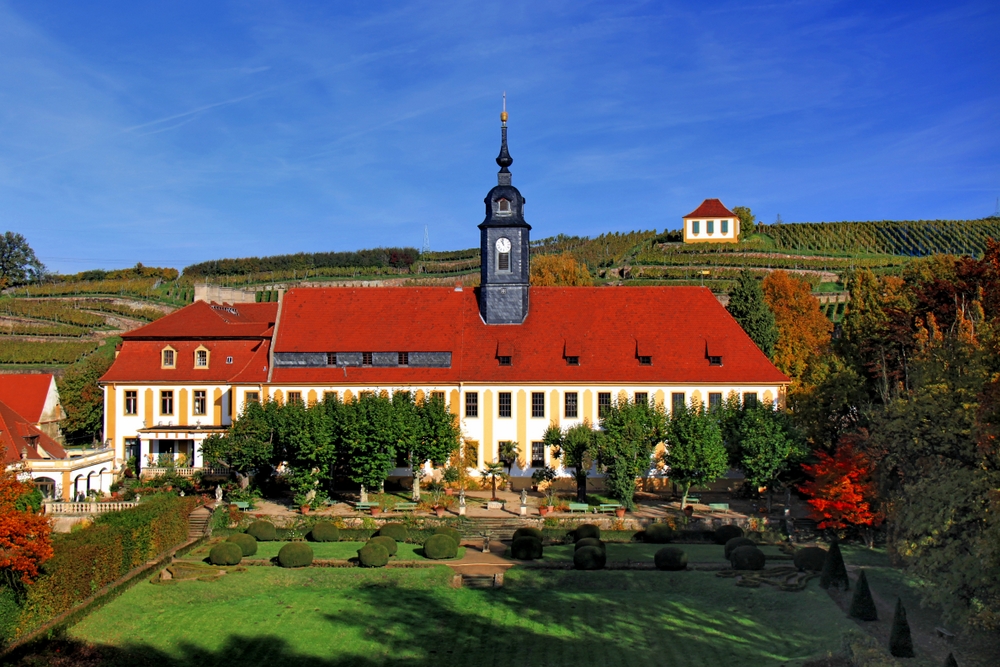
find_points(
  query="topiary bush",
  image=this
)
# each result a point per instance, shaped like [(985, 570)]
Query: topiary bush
[(440, 546), (725, 533), (526, 548), (373, 554), (295, 554), (387, 543), (659, 533), (396, 531), (862, 603), (262, 531), (810, 558), (834, 571), (324, 531), (450, 532), (529, 532), (900, 639), (736, 542), (589, 558), (225, 553), (247, 544), (671, 559), (590, 542), (747, 558), (585, 531)]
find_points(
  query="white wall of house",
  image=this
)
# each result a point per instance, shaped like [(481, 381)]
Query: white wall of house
[(711, 230)]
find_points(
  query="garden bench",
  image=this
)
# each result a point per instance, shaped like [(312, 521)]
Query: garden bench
[(241, 506), (365, 506), (579, 507), (608, 507), (692, 500), (719, 507), (404, 507)]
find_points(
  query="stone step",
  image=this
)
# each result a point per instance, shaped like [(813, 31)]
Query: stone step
[(477, 581)]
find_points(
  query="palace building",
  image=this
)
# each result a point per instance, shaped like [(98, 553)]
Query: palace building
[(507, 358)]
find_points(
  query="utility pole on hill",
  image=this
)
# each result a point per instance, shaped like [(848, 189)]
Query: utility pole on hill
[(427, 242)]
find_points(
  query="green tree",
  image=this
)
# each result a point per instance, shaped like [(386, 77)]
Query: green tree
[(18, 263), (625, 449), (438, 435), (748, 221), (749, 308), (507, 453), (306, 443), (575, 446), (369, 441), (695, 455), (83, 399), (766, 448), (248, 445)]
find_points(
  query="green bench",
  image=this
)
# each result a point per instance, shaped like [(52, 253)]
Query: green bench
[(579, 507), (719, 507), (608, 507), (692, 500), (241, 506), (404, 507), (365, 506)]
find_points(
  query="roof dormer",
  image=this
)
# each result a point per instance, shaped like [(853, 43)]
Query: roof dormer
[(168, 357)]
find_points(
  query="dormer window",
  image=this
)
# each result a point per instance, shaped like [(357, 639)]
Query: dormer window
[(572, 361), (229, 360), (504, 361), (201, 357), (503, 207), (715, 361), (645, 360), (168, 358)]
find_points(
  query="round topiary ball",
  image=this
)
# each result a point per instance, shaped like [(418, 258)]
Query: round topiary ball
[(324, 531), (396, 531), (387, 543), (373, 554), (225, 553), (659, 533), (450, 532), (528, 532), (262, 531), (526, 548), (810, 558), (589, 558), (440, 546), (737, 542), (727, 532), (295, 554), (747, 558), (246, 543), (585, 531), (590, 542), (671, 559)]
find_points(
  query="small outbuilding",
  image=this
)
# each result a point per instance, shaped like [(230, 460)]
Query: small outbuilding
[(711, 222)]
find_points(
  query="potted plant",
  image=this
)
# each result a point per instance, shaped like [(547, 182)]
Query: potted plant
[(451, 476), (304, 509), (620, 512), (437, 491), (550, 498)]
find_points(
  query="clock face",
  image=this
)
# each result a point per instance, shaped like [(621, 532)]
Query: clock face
[(503, 245)]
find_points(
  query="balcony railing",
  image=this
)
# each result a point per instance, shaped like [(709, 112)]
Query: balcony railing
[(208, 471)]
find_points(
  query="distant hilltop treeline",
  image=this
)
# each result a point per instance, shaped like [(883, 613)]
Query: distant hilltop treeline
[(371, 258)]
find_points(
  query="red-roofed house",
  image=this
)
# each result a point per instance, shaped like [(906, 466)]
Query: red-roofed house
[(35, 397), (711, 222)]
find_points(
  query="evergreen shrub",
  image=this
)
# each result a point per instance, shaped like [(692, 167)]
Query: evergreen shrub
[(671, 559), (373, 554), (225, 553), (834, 571), (262, 531), (590, 542), (387, 543), (862, 604), (451, 532), (396, 531), (589, 558), (526, 548), (727, 532), (324, 531), (295, 554), (529, 532), (246, 543), (810, 558), (900, 640), (747, 558), (737, 542), (440, 546), (659, 533), (586, 530)]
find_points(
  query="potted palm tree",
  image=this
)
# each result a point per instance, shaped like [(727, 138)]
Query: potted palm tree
[(507, 453), (492, 473), (437, 491)]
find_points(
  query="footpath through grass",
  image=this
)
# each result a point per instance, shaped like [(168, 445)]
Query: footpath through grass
[(321, 617)]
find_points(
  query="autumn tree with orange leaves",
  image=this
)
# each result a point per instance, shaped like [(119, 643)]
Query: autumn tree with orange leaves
[(25, 536), (559, 270), (803, 330)]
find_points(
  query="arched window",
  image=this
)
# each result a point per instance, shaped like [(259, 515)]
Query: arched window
[(503, 206), (168, 357)]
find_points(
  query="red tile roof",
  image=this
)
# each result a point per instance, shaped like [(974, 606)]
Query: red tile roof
[(139, 360), (18, 435), (711, 208), (242, 320), (606, 327), (26, 393)]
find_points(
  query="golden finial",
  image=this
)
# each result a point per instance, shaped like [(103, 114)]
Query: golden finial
[(503, 114)]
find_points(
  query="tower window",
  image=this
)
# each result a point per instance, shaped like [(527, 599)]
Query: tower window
[(503, 261), (503, 206)]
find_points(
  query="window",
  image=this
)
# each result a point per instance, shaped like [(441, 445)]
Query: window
[(603, 403), (295, 397), (570, 405), (404, 358), (367, 393), (167, 402), (645, 360), (503, 206), (437, 396), (724, 226), (537, 404), (572, 361), (750, 399), (329, 396), (503, 401), (677, 400), (695, 226), (331, 358), (537, 454), (131, 402), (641, 398), (168, 358), (715, 361), (710, 226), (504, 361), (199, 402), (251, 397), (366, 358), (503, 261), (229, 360), (714, 400), (201, 358), (471, 404)]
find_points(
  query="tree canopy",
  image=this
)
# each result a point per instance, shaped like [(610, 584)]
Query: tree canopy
[(694, 451), (576, 447), (559, 270), (803, 329), (625, 448), (749, 308), (18, 263)]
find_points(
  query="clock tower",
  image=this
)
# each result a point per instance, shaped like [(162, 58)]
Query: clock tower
[(503, 294)]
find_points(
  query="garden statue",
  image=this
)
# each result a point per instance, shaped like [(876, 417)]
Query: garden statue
[(461, 498), (486, 542), (218, 493), (524, 497)]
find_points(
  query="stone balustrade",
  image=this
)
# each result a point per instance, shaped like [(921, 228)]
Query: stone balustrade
[(49, 507)]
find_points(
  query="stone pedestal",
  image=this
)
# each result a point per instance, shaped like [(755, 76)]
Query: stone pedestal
[(524, 510), (461, 510), (494, 505)]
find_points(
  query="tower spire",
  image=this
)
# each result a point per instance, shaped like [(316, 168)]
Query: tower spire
[(504, 159)]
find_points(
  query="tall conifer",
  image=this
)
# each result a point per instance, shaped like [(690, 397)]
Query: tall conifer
[(900, 641), (748, 307), (862, 604), (834, 571)]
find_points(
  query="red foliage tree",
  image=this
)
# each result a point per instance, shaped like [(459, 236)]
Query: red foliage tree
[(25, 536), (842, 491)]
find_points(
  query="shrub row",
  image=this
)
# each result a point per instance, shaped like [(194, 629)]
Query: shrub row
[(32, 352), (56, 311)]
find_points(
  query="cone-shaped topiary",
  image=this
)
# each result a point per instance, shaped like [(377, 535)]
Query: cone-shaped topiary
[(950, 661), (659, 533), (862, 604), (295, 554), (225, 553), (747, 558), (450, 532), (589, 558), (396, 531), (671, 558), (585, 531), (526, 548), (262, 531), (736, 542), (834, 571), (247, 544), (440, 546), (727, 532), (387, 543), (590, 542), (810, 558), (528, 532), (324, 531), (900, 641), (373, 554)]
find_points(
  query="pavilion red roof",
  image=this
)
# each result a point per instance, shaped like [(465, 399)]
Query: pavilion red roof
[(711, 208)]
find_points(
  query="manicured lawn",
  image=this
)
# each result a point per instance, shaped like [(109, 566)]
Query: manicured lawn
[(330, 550), (697, 553), (316, 617)]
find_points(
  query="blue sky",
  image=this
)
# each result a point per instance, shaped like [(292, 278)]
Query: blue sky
[(174, 132)]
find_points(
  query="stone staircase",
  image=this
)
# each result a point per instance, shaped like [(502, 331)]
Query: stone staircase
[(482, 581), (499, 528), (198, 523)]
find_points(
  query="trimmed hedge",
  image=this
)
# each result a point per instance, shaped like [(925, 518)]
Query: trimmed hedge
[(225, 553), (324, 531), (834, 571), (737, 542), (526, 548), (590, 542), (589, 558), (810, 558), (262, 531), (450, 532), (671, 559), (396, 531), (725, 533), (295, 554), (659, 533), (440, 546), (586, 530), (529, 532), (387, 543), (246, 543), (373, 554), (747, 558)]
